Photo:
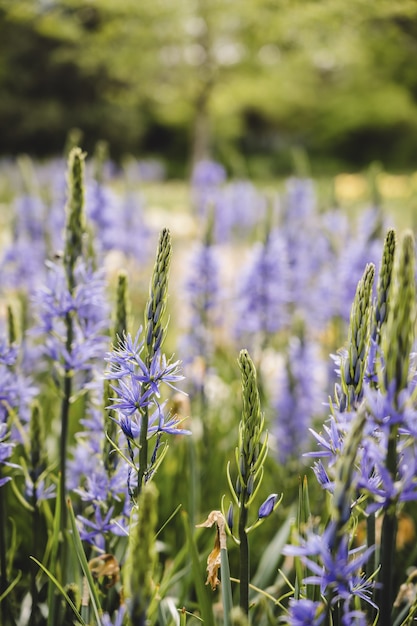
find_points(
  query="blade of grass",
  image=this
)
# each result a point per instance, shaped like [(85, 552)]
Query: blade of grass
[(61, 590), (54, 544), (268, 565), (168, 614), (168, 520), (11, 586), (203, 597), (95, 601), (226, 587)]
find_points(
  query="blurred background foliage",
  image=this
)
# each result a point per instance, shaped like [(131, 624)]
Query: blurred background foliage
[(242, 81)]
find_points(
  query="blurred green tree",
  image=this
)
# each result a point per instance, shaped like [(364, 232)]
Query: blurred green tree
[(193, 78)]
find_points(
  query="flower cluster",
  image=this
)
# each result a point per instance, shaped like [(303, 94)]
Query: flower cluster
[(137, 387)]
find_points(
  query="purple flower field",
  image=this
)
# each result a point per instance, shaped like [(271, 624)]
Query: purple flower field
[(247, 359)]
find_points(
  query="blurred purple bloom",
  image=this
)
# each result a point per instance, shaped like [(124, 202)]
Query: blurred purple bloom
[(131, 220), (94, 531), (39, 490), (117, 619), (299, 397), (300, 201), (206, 181), (202, 285), (358, 247), (305, 612), (238, 207), (8, 353), (22, 265), (115, 217), (6, 449), (207, 174), (202, 295), (263, 292), (90, 310), (16, 388), (308, 251), (102, 207)]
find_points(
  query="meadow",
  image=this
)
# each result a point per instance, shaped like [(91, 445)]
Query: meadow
[(208, 402)]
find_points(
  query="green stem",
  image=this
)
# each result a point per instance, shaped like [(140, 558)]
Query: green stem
[(226, 586), (65, 410), (33, 566), (388, 541), (371, 563), (3, 556), (143, 445), (244, 555), (388, 536), (63, 443)]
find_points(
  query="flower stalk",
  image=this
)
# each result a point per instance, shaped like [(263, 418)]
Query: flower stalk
[(74, 232), (141, 556), (354, 364), (154, 336), (397, 345), (250, 456)]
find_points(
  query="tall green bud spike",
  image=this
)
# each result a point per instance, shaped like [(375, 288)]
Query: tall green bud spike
[(122, 307), (252, 420), (400, 328), (141, 556), (250, 457), (11, 326), (154, 335), (37, 438), (101, 154), (384, 284), (75, 220), (120, 329), (158, 292), (380, 308), (353, 367)]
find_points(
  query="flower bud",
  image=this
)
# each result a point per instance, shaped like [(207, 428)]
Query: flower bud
[(230, 517), (267, 507)]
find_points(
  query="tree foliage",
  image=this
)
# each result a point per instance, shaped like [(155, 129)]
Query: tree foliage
[(212, 77)]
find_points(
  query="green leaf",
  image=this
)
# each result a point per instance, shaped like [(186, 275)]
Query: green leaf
[(201, 589), (61, 590), (95, 601)]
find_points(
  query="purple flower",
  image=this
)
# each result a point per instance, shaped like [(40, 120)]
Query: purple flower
[(300, 199), (206, 180), (332, 440), (202, 294), (16, 388), (6, 449), (117, 619), (299, 397), (160, 422), (305, 613), (39, 490), (208, 173), (94, 531), (322, 476), (22, 265), (90, 315), (115, 217), (238, 207), (137, 388), (263, 292), (335, 567), (267, 507)]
